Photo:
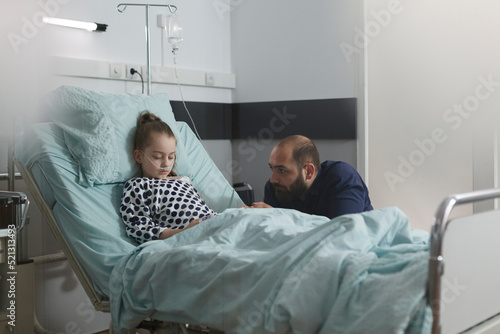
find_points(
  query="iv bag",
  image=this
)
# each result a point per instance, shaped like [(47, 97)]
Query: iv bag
[(173, 30)]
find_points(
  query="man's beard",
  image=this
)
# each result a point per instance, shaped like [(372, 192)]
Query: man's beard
[(298, 189)]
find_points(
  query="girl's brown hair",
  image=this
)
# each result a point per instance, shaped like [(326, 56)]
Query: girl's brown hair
[(147, 125)]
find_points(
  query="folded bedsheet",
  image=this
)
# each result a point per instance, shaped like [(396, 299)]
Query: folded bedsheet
[(280, 271)]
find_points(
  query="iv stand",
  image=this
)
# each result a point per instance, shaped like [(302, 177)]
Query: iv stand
[(121, 8)]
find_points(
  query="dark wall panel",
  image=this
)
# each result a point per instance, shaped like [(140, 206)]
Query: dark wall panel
[(213, 120), (316, 119)]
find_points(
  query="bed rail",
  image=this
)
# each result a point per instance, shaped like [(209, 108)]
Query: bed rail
[(100, 302), (436, 261)]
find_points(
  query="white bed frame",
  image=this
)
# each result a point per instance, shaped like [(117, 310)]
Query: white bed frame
[(463, 289), (464, 268)]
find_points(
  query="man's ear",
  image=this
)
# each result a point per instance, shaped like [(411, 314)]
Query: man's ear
[(310, 170), (138, 156)]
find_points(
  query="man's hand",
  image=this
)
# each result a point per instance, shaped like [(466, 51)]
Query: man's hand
[(260, 205)]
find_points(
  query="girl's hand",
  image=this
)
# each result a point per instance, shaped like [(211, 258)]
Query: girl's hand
[(167, 233), (193, 222)]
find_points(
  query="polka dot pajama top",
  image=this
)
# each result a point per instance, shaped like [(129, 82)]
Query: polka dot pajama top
[(151, 205)]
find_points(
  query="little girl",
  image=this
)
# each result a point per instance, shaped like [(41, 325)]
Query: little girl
[(159, 204)]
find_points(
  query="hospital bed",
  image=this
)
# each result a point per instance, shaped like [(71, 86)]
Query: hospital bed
[(248, 270)]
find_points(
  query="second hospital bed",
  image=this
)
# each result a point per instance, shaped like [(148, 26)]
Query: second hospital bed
[(245, 270)]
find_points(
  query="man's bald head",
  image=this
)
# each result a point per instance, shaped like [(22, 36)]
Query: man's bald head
[(303, 150)]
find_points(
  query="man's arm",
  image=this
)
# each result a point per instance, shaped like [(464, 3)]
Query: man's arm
[(351, 200), (351, 195)]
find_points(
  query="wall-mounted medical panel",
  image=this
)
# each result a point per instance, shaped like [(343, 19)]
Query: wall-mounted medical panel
[(102, 69)]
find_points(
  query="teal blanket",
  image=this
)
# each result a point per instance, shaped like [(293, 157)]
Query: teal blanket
[(280, 271)]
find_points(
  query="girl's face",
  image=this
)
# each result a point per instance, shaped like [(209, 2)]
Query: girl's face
[(160, 153)]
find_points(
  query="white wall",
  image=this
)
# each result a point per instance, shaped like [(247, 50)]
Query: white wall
[(425, 61), (124, 41), (27, 43), (290, 50)]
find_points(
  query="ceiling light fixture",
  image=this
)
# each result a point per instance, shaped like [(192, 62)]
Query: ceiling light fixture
[(90, 26)]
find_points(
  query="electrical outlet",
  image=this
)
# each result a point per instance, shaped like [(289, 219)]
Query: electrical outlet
[(209, 79), (136, 67), (115, 70)]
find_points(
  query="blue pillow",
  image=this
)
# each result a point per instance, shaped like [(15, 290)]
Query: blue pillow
[(206, 177), (99, 131)]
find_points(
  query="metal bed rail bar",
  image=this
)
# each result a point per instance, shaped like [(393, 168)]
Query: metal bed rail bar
[(5, 176), (436, 261), (45, 259)]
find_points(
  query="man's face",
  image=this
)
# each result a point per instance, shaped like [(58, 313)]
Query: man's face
[(288, 182)]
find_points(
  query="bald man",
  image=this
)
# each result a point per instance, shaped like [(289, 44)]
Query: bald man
[(298, 181)]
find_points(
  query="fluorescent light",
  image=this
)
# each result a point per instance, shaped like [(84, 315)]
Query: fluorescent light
[(90, 26)]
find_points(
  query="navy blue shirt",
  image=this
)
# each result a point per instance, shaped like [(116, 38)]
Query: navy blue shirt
[(337, 190)]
